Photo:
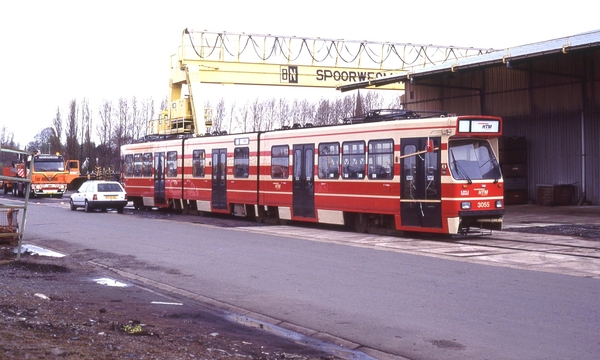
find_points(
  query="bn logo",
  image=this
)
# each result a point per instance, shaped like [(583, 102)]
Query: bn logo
[(289, 74)]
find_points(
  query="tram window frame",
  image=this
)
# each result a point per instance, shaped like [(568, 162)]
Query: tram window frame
[(199, 163), (137, 165), (351, 157), (171, 164), (129, 165), (280, 162), (147, 165), (377, 157), (241, 162), (329, 161)]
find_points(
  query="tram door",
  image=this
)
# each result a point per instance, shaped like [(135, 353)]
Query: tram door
[(303, 181), (159, 178), (219, 179), (420, 195)]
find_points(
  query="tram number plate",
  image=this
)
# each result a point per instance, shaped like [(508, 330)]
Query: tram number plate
[(483, 204)]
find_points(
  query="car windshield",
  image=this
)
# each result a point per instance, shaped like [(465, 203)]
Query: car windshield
[(109, 188), (472, 159)]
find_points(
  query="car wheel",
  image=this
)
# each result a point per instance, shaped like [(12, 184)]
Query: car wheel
[(87, 207), (120, 210), (73, 207)]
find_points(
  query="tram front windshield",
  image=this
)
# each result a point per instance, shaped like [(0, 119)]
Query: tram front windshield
[(472, 159)]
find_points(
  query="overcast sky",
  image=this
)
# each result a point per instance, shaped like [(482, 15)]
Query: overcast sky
[(55, 51)]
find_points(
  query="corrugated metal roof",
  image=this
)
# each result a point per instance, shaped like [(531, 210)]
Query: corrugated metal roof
[(580, 41)]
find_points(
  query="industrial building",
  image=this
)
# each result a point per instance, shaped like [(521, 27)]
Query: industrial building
[(548, 94)]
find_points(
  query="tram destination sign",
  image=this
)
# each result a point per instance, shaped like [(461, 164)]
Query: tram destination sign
[(478, 126)]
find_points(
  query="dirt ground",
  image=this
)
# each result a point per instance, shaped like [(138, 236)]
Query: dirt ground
[(53, 308)]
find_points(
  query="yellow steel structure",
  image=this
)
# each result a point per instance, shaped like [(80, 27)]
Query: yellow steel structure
[(251, 59)]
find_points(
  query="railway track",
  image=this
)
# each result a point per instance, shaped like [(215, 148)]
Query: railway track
[(561, 254)]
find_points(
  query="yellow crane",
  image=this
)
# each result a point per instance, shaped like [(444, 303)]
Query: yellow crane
[(253, 59)]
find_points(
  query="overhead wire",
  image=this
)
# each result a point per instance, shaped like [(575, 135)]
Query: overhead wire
[(327, 49)]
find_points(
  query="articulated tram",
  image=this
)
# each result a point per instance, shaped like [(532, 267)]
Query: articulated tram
[(410, 173)]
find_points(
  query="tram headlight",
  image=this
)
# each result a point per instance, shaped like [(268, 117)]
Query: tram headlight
[(465, 205), (498, 204)]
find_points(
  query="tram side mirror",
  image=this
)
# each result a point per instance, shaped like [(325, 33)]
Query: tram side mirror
[(429, 146)]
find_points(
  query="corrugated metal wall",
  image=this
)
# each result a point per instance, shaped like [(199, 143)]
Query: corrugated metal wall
[(548, 100)]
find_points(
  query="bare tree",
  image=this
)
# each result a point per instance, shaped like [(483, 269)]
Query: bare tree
[(348, 106), (306, 113), (257, 112), (232, 116), (147, 114), (284, 115), (72, 145), (120, 131), (244, 115), (87, 148), (372, 100), (219, 116), (134, 125), (325, 113), (104, 128), (55, 140), (7, 139), (270, 114), (394, 101), (43, 141)]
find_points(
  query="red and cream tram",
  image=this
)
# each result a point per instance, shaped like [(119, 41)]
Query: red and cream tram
[(436, 174)]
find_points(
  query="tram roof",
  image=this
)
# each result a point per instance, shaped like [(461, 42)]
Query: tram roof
[(565, 45)]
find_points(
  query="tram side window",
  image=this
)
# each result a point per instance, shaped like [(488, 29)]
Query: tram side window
[(171, 163), (280, 162), (198, 163), (353, 160), (329, 161), (381, 159), (147, 165), (241, 162), (137, 165), (128, 165)]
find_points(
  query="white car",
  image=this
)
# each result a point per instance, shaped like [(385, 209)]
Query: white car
[(99, 194)]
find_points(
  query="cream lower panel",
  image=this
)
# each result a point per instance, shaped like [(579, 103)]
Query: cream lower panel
[(331, 217), (285, 213), (203, 205), (453, 224)]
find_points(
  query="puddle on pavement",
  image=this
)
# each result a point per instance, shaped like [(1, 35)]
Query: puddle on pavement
[(36, 250)]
